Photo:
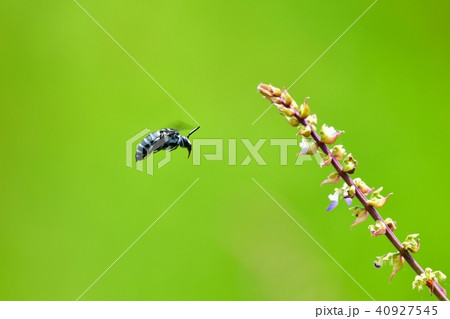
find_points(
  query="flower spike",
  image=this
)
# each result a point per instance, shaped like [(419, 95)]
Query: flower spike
[(313, 141)]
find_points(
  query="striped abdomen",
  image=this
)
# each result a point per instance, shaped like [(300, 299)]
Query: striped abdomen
[(157, 141)]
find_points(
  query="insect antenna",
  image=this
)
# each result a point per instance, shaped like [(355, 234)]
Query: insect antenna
[(190, 133)]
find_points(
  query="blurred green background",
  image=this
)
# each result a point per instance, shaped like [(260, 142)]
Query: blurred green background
[(70, 99)]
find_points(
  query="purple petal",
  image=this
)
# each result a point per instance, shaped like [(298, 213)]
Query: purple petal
[(304, 150), (377, 265), (348, 200), (332, 205)]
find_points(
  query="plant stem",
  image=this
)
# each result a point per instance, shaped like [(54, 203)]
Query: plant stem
[(435, 288)]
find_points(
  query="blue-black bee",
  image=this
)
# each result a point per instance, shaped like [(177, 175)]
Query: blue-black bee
[(165, 139)]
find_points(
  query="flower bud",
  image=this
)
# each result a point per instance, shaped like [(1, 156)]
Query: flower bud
[(378, 229), (362, 186), (376, 200), (397, 262), (338, 152), (308, 146), (361, 215), (326, 159), (419, 282), (270, 92), (348, 191), (381, 260), (312, 119), (333, 178), (390, 224), (292, 121), (286, 110), (304, 109), (286, 98), (440, 275), (394, 259), (411, 243), (349, 164), (304, 131), (328, 134)]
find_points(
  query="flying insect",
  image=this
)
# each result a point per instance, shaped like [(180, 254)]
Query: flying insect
[(165, 139)]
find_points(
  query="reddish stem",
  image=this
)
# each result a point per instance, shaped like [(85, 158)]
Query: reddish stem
[(435, 288)]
